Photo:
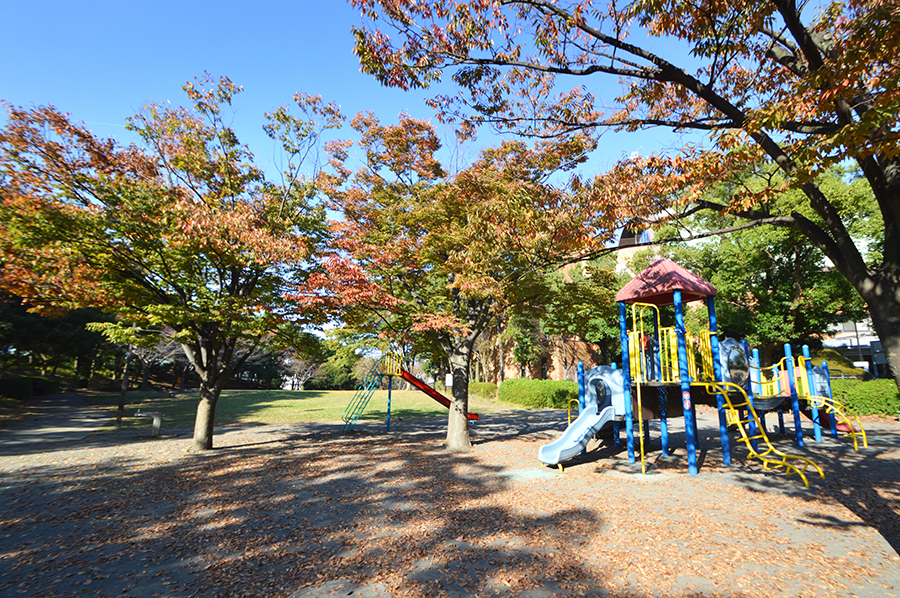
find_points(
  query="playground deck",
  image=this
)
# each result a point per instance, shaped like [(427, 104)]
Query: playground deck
[(301, 511)]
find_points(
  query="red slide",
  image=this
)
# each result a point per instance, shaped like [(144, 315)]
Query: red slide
[(825, 423), (430, 391)]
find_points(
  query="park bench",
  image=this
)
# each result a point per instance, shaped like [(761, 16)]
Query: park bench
[(157, 420)]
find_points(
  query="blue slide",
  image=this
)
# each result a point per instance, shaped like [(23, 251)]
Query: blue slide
[(604, 398), (576, 437)]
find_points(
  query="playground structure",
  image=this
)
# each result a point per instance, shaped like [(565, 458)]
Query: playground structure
[(667, 371), (388, 366)]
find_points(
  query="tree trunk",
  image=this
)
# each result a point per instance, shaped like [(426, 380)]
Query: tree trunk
[(458, 420), (883, 301), (145, 375), (123, 389), (206, 412)]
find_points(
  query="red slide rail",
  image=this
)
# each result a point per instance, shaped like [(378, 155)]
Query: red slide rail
[(430, 391)]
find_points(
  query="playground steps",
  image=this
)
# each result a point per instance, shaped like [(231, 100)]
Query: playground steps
[(842, 417), (772, 458), (360, 400)]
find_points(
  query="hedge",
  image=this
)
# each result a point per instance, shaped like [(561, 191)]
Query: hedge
[(23, 388), (873, 397), (539, 394), (487, 390)]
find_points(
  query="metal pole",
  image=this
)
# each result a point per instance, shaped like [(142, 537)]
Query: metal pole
[(390, 383), (626, 382), (690, 429)]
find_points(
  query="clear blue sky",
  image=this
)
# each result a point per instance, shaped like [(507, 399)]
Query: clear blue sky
[(101, 61)]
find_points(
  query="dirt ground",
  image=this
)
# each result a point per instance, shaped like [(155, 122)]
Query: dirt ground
[(304, 511)]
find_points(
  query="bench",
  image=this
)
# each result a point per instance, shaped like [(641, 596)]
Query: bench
[(157, 420)]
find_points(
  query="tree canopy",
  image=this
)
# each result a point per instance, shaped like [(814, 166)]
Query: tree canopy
[(181, 232), (801, 87), (441, 255)]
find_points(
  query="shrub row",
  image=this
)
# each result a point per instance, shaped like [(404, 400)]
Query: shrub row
[(872, 397), (23, 388), (539, 394), (487, 390)]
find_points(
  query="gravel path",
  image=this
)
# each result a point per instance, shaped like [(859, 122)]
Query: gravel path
[(303, 511)]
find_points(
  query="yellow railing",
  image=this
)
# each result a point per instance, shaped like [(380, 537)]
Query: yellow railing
[(668, 355), (577, 406), (841, 416), (391, 364), (773, 380), (771, 457)]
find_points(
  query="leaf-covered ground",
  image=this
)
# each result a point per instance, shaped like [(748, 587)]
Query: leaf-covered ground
[(302, 511)]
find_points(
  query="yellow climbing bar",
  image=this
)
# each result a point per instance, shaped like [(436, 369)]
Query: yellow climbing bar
[(391, 364), (772, 458), (842, 416)]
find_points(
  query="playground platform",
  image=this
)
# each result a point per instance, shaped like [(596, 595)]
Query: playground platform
[(303, 510)]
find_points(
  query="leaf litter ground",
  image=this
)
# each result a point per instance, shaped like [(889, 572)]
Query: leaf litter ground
[(302, 511)]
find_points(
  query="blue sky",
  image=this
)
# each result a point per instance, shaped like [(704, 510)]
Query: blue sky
[(101, 61)]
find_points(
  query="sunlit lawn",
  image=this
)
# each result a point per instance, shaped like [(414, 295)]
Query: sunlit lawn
[(274, 407)]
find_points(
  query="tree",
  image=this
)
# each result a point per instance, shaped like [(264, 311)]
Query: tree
[(153, 355), (764, 80), (441, 254), (528, 344), (583, 305), (774, 285), (182, 232), (48, 342), (339, 360)]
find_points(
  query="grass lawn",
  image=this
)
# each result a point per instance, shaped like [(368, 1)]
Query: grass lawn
[(274, 406)]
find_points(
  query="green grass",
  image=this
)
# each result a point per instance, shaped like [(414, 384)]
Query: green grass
[(263, 407)]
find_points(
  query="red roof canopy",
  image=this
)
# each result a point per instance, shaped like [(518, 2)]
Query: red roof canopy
[(657, 284)]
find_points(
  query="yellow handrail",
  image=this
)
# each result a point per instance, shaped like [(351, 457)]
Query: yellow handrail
[(769, 463), (578, 403), (391, 364)]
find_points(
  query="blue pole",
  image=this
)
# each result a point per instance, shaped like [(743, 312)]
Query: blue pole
[(656, 374), (581, 391), (663, 421), (390, 379), (795, 403), (758, 389), (811, 383), (754, 373), (626, 382), (830, 396), (580, 387), (616, 437), (690, 429), (717, 372)]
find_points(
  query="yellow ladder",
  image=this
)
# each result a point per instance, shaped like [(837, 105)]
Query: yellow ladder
[(843, 416), (770, 463)]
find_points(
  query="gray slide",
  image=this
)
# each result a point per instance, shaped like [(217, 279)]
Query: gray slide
[(576, 436)]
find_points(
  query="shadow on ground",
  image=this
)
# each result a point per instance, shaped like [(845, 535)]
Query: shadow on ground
[(302, 511)]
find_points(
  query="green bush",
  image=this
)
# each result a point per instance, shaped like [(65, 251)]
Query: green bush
[(49, 386), (487, 390), (17, 388), (24, 388), (539, 394), (873, 397)]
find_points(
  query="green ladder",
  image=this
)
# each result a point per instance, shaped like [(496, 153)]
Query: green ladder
[(357, 405)]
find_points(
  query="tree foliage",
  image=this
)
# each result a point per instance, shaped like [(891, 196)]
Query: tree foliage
[(583, 306), (800, 86), (442, 255), (182, 232)]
